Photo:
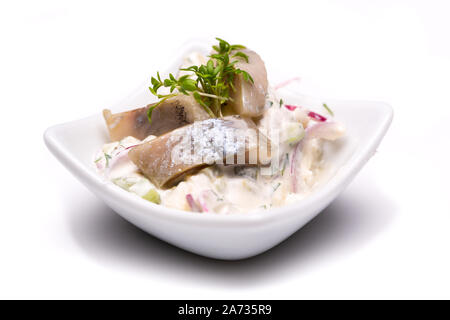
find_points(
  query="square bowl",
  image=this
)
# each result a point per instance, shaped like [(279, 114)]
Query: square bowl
[(233, 236)]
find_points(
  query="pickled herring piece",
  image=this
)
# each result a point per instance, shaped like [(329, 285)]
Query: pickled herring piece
[(169, 158), (249, 98), (171, 114)]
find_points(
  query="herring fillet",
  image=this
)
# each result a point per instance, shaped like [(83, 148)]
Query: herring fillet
[(169, 115), (223, 140), (249, 98)]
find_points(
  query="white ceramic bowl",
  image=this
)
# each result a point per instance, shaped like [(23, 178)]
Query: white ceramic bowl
[(234, 236)]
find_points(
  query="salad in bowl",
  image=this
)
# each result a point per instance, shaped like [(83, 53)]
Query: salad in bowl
[(220, 139)]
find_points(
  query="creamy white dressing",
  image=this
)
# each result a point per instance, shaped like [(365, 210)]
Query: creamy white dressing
[(230, 189)]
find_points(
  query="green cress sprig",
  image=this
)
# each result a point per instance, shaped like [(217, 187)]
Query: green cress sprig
[(212, 84)]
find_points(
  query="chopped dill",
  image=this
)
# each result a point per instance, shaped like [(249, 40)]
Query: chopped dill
[(107, 158), (286, 161), (276, 187), (328, 109)]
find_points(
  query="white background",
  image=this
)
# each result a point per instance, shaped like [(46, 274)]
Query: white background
[(386, 236)]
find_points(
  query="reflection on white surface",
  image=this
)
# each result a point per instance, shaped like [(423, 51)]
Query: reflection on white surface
[(356, 217)]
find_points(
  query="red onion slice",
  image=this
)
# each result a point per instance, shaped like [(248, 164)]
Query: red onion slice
[(287, 82), (192, 204), (316, 116)]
